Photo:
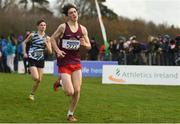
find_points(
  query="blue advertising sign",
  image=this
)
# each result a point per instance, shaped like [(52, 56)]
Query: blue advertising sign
[(91, 68)]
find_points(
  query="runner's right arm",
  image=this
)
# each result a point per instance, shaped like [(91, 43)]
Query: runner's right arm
[(57, 34), (24, 45)]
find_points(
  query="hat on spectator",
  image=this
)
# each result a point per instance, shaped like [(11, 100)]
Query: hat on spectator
[(122, 38), (132, 37)]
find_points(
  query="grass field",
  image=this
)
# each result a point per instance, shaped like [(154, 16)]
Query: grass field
[(98, 103)]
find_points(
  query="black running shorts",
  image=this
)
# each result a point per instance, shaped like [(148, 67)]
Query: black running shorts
[(36, 63)]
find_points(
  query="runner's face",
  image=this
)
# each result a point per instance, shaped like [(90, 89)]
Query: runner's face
[(72, 14), (42, 26)]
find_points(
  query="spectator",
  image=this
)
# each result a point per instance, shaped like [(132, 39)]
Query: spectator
[(4, 42), (11, 50), (172, 50), (165, 50), (114, 50), (121, 50), (1, 63), (103, 54), (177, 56), (94, 51), (25, 60), (20, 47)]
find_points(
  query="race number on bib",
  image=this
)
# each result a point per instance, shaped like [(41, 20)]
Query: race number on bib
[(38, 53), (70, 44)]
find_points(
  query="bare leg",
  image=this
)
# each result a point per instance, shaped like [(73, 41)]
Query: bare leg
[(36, 74), (67, 84), (76, 81), (71, 85)]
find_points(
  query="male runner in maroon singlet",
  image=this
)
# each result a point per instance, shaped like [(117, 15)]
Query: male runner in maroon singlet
[(72, 35)]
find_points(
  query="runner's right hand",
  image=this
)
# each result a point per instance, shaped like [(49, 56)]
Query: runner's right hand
[(61, 54), (25, 55)]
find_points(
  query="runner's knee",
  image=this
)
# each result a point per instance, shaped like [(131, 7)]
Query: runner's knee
[(38, 80), (77, 90), (69, 92)]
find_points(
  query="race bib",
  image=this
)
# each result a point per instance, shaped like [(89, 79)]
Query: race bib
[(70, 44), (38, 53)]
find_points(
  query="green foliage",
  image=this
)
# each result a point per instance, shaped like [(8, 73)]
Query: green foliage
[(98, 103)]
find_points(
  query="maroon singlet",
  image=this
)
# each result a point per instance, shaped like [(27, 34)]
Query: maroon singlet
[(72, 49)]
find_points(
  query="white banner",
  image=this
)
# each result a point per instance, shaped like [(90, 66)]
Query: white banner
[(48, 69), (145, 75)]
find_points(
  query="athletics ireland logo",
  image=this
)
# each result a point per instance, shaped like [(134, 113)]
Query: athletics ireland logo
[(114, 78)]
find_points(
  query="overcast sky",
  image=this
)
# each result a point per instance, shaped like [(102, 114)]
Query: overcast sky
[(158, 11)]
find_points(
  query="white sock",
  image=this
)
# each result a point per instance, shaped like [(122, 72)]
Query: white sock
[(69, 113), (60, 82)]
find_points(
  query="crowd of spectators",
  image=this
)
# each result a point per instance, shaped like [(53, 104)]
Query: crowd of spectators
[(160, 50), (11, 51)]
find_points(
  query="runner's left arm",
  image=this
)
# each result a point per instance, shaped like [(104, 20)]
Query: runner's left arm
[(85, 39), (48, 45)]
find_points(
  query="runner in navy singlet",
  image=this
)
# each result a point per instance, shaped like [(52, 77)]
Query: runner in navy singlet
[(38, 42), (72, 36)]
